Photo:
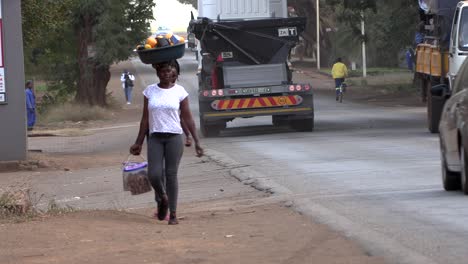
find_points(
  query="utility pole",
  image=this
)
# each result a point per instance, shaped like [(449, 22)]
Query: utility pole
[(318, 34), (364, 63), (13, 144)]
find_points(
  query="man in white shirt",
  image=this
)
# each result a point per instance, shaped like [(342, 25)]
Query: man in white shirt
[(127, 84)]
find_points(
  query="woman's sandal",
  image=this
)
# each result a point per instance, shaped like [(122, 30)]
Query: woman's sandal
[(155, 215), (162, 208), (188, 142), (173, 219)]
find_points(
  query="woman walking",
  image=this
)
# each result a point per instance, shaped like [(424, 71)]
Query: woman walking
[(161, 124)]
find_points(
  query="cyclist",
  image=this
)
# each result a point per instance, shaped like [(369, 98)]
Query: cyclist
[(339, 73)]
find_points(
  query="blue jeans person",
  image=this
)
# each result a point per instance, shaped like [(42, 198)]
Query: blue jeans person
[(31, 117), (338, 82), (128, 93)]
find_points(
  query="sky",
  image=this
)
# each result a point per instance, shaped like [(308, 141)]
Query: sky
[(171, 14)]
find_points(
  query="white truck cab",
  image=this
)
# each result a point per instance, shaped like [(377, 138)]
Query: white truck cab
[(458, 40)]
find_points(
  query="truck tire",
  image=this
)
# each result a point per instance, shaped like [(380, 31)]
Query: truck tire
[(434, 110), (302, 125), (211, 129), (279, 121)]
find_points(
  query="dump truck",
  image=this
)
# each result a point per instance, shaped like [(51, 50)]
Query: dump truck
[(243, 64), (444, 24)]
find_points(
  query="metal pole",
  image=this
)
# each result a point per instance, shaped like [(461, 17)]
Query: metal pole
[(13, 135), (364, 63), (318, 34)]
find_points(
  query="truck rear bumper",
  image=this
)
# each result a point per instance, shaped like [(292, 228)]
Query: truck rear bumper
[(304, 112)]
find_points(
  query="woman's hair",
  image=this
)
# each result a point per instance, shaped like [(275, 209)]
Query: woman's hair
[(169, 64)]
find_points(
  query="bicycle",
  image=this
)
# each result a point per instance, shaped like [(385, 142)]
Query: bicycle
[(341, 91)]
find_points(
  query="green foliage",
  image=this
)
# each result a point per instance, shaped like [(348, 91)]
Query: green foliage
[(119, 26), (360, 5), (194, 3), (388, 25), (50, 45), (51, 37)]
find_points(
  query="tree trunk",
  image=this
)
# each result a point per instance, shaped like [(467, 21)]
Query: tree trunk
[(93, 78)]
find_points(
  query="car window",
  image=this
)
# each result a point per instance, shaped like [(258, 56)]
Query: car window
[(463, 33)]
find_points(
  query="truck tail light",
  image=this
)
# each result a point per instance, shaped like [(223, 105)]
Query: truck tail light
[(298, 87), (291, 88), (307, 87), (213, 93), (220, 92)]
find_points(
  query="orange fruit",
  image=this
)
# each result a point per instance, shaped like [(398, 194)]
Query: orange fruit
[(151, 41), (169, 35), (148, 46), (181, 39)]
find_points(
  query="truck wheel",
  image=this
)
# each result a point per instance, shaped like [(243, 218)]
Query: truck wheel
[(303, 125), (278, 121), (211, 130), (434, 110)]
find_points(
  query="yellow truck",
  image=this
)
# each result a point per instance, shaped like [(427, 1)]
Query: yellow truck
[(444, 25)]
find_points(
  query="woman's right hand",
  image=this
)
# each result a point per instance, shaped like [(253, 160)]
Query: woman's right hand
[(135, 149)]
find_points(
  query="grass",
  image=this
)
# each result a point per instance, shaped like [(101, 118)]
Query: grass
[(370, 71), (75, 113), (384, 80)]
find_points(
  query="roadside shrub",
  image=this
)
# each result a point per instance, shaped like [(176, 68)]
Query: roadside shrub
[(19, 205), (16, 204), (75, 113)]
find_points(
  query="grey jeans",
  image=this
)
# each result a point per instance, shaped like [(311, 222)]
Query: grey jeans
[(164, 153)]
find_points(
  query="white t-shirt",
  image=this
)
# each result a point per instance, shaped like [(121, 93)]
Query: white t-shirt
[(163, 108)]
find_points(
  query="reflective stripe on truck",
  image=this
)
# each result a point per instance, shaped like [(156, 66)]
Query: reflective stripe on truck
[(260, 112), (257, 102)]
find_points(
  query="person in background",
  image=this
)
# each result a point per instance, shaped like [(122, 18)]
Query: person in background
[(30, 105), (419, 34), (409, 56), (127, 84), (164, 105), (339, 73)]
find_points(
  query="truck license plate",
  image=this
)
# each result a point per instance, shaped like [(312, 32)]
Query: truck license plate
[(256, 90), (287, 32)]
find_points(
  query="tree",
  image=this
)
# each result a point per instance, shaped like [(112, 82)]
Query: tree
[(72, 43), (50, 44), (107, 31), (194, 3), (307, 8), (389, 28)]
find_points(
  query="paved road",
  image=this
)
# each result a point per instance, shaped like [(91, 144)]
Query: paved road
[(371, 172)]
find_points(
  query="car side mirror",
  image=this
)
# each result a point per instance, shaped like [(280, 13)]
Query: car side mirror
[(440, 90)]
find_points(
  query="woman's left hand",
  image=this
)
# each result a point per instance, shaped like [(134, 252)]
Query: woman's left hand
[(199, 150)]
